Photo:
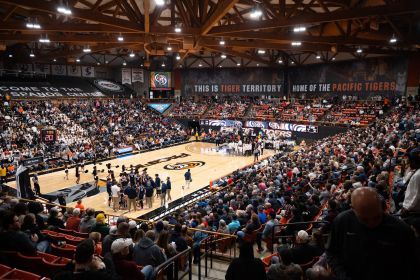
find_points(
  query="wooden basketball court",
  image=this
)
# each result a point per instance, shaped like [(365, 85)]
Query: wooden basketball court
[(205, 162)]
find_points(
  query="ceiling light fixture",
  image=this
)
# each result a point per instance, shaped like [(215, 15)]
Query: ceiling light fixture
[(178, 29), (120, 38), (44, 39), (258, 64), (32, 54), (223, 56), (199, 65), (256, 13), (10, 55), (54, 60), (64, 9), (299, 29), (160, 2), (178, 57), (333, 58), (238, 64), (33, 24), (169, 48), (292, 62), (163, 64), (132, 54), (280, 61), (87, 49), (359, 50), (77, 60), (295, 44), (124, 63), (261, 51), (393, 39), (222, 42), (318, 56), (98, 63)]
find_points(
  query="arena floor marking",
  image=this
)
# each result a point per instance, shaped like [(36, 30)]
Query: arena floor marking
[(205, 162)]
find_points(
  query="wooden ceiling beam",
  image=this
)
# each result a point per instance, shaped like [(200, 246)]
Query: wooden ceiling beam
[(236, 53), (8, 13), (222, 9), (72, 38), (63, 27), (407, 7), (146, 7), (83, 14)]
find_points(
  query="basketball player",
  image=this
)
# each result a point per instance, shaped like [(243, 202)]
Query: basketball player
[(66, 172), (37, 189), (188, 178), (77, 174)]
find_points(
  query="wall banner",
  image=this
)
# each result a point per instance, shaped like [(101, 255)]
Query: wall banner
[(88, 71), (137, 75), (126, 76)]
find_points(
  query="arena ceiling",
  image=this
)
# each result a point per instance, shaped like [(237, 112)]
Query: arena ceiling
[(255, 33)]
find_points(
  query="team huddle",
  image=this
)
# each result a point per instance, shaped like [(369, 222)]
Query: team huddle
[(133, 187)]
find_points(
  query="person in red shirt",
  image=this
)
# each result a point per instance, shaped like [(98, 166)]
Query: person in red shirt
[(73, 221), (80, 205)]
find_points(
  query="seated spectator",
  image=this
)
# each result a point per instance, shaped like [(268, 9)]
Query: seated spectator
[(223, 227), (88, 221), (85, 265), (363, 238), (285, 267), (146, 252), (100, 225), (125, 268), (55, 218), (73, 222), (80, 206), (234, 224), (30, 227), (317, 273), (180, 242), (96, 237), (122, 232), (246, 266), (13, 239), (162, 242), (302, 253)]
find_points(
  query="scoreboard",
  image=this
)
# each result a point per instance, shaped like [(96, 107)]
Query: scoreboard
[(49, 136)]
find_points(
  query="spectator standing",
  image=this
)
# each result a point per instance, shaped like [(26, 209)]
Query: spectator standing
[(115, 192), (246, 266)]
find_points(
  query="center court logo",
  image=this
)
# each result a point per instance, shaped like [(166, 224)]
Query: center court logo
[(184, 165)]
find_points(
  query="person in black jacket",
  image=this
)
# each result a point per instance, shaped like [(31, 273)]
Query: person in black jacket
[(246, 266), (366, 243)]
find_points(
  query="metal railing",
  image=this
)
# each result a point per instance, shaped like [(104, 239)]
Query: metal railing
[(171, 267)]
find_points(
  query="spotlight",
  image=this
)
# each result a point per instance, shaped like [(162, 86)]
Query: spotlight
[(163, 64), (256, 13), (299, 29), (261, 51), (222, 42), (77, 60), (199, 65), (223, 56), (359, 50), (64, 10), (120, 38), (178, 29), (32, 54), (238, 64), (169, 48), (87, 50), (280, 61), (296, 44), (393, 40), (124, 63), (318, 56), (178, 57), (132, 54)]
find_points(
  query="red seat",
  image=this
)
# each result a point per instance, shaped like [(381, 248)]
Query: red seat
[(80, 234), (29, 263), (65, 231), (20, 275), (66, 251), (47, 257), (4, 269), (49, 268), (72, 240)]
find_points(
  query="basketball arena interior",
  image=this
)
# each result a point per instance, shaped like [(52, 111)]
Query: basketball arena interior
[(210, 139)]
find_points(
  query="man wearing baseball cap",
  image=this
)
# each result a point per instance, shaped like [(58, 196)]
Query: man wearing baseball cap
[(127, 269)]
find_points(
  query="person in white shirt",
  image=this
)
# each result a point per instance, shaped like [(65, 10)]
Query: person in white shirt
[(411, 202), (115, 193)]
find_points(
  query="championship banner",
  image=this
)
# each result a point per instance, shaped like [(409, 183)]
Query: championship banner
[(137, 75), (160, 80), (256, 81), (74, 70), (43, 68), (380, 76), (126, 76), (88, 71), (58, 69)]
